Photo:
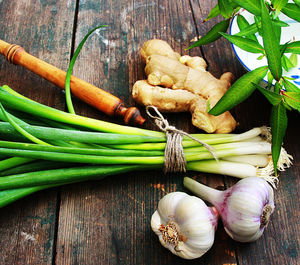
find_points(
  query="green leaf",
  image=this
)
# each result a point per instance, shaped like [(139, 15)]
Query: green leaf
[(283, 48), (258, 24), (297, 2), (244, 43), (289, 86), (277, 32), (226, 8), (260, 57), (253, 6), (19, 129), (272, 97), (284, 63), (287, 63), (278, 129), (280, 23), (277, 87), (252, 29), (293, 47), (292, 11), (292, 99), (70, 70), (279, 4), (289, 78), (271, 45), (213, 13), (244, 24), (212, 35), (13, 92), (270, 79), (255, 27), (294, 59), (239, 91), (208, 108)]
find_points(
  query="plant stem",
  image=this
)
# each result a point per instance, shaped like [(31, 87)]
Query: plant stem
[(77, 150), (188, 142), (43, 111), (12, 195), (80, 136), (202, 191), (36, 165), (221, 151), (255, 160), (82, 158), (65, 175), (13, 162), (233, 169), (233, 149)]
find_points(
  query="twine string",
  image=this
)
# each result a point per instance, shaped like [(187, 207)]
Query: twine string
[(174, 154)]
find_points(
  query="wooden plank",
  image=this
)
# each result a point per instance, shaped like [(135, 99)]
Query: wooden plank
[(182, 30), (121, 207), (280, 242), (27, 228), (220, 59), (107, 222), (44, 29)]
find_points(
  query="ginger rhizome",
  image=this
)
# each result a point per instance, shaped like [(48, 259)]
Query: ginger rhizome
[(181, 83)]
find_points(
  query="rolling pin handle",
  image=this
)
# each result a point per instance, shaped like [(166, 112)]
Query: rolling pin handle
[(130, 115), (16, 54), (11, 51)]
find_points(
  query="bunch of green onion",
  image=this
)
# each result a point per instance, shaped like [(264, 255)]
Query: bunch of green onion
[(42, 147)]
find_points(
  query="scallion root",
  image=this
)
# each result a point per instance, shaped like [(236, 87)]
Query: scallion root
[(285, 160), (267, 173), (266, 133)]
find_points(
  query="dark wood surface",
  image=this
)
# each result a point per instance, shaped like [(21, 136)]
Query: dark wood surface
[(108, 222)]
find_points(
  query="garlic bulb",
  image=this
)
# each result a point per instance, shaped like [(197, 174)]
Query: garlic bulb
[(185, 225), (245, 208)]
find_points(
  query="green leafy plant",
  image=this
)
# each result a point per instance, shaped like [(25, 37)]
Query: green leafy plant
[(283, 95)]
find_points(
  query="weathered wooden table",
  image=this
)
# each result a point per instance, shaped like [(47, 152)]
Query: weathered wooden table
[(108, 222)]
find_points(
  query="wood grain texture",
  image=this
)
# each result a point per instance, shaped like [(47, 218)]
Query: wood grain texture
[(122, 232), (43, 28), (108, 221), (117, 67), (280, 242), (275, 246)]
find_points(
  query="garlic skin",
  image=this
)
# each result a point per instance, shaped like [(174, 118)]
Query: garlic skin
[(245, 208), (184, 225)]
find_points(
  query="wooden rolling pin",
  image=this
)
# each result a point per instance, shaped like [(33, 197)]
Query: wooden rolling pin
[(85, 91)]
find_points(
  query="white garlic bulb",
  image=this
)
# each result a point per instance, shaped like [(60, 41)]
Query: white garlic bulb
[(245, 208), (185, 225)]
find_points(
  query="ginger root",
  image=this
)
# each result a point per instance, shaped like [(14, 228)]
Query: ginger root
[(179, 100), (187, 86)]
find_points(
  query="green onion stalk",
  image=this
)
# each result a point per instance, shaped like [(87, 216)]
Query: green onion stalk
[(68, 148), (43, 147)]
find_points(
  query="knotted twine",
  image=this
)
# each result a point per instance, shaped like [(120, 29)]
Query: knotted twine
[(174, 155)]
